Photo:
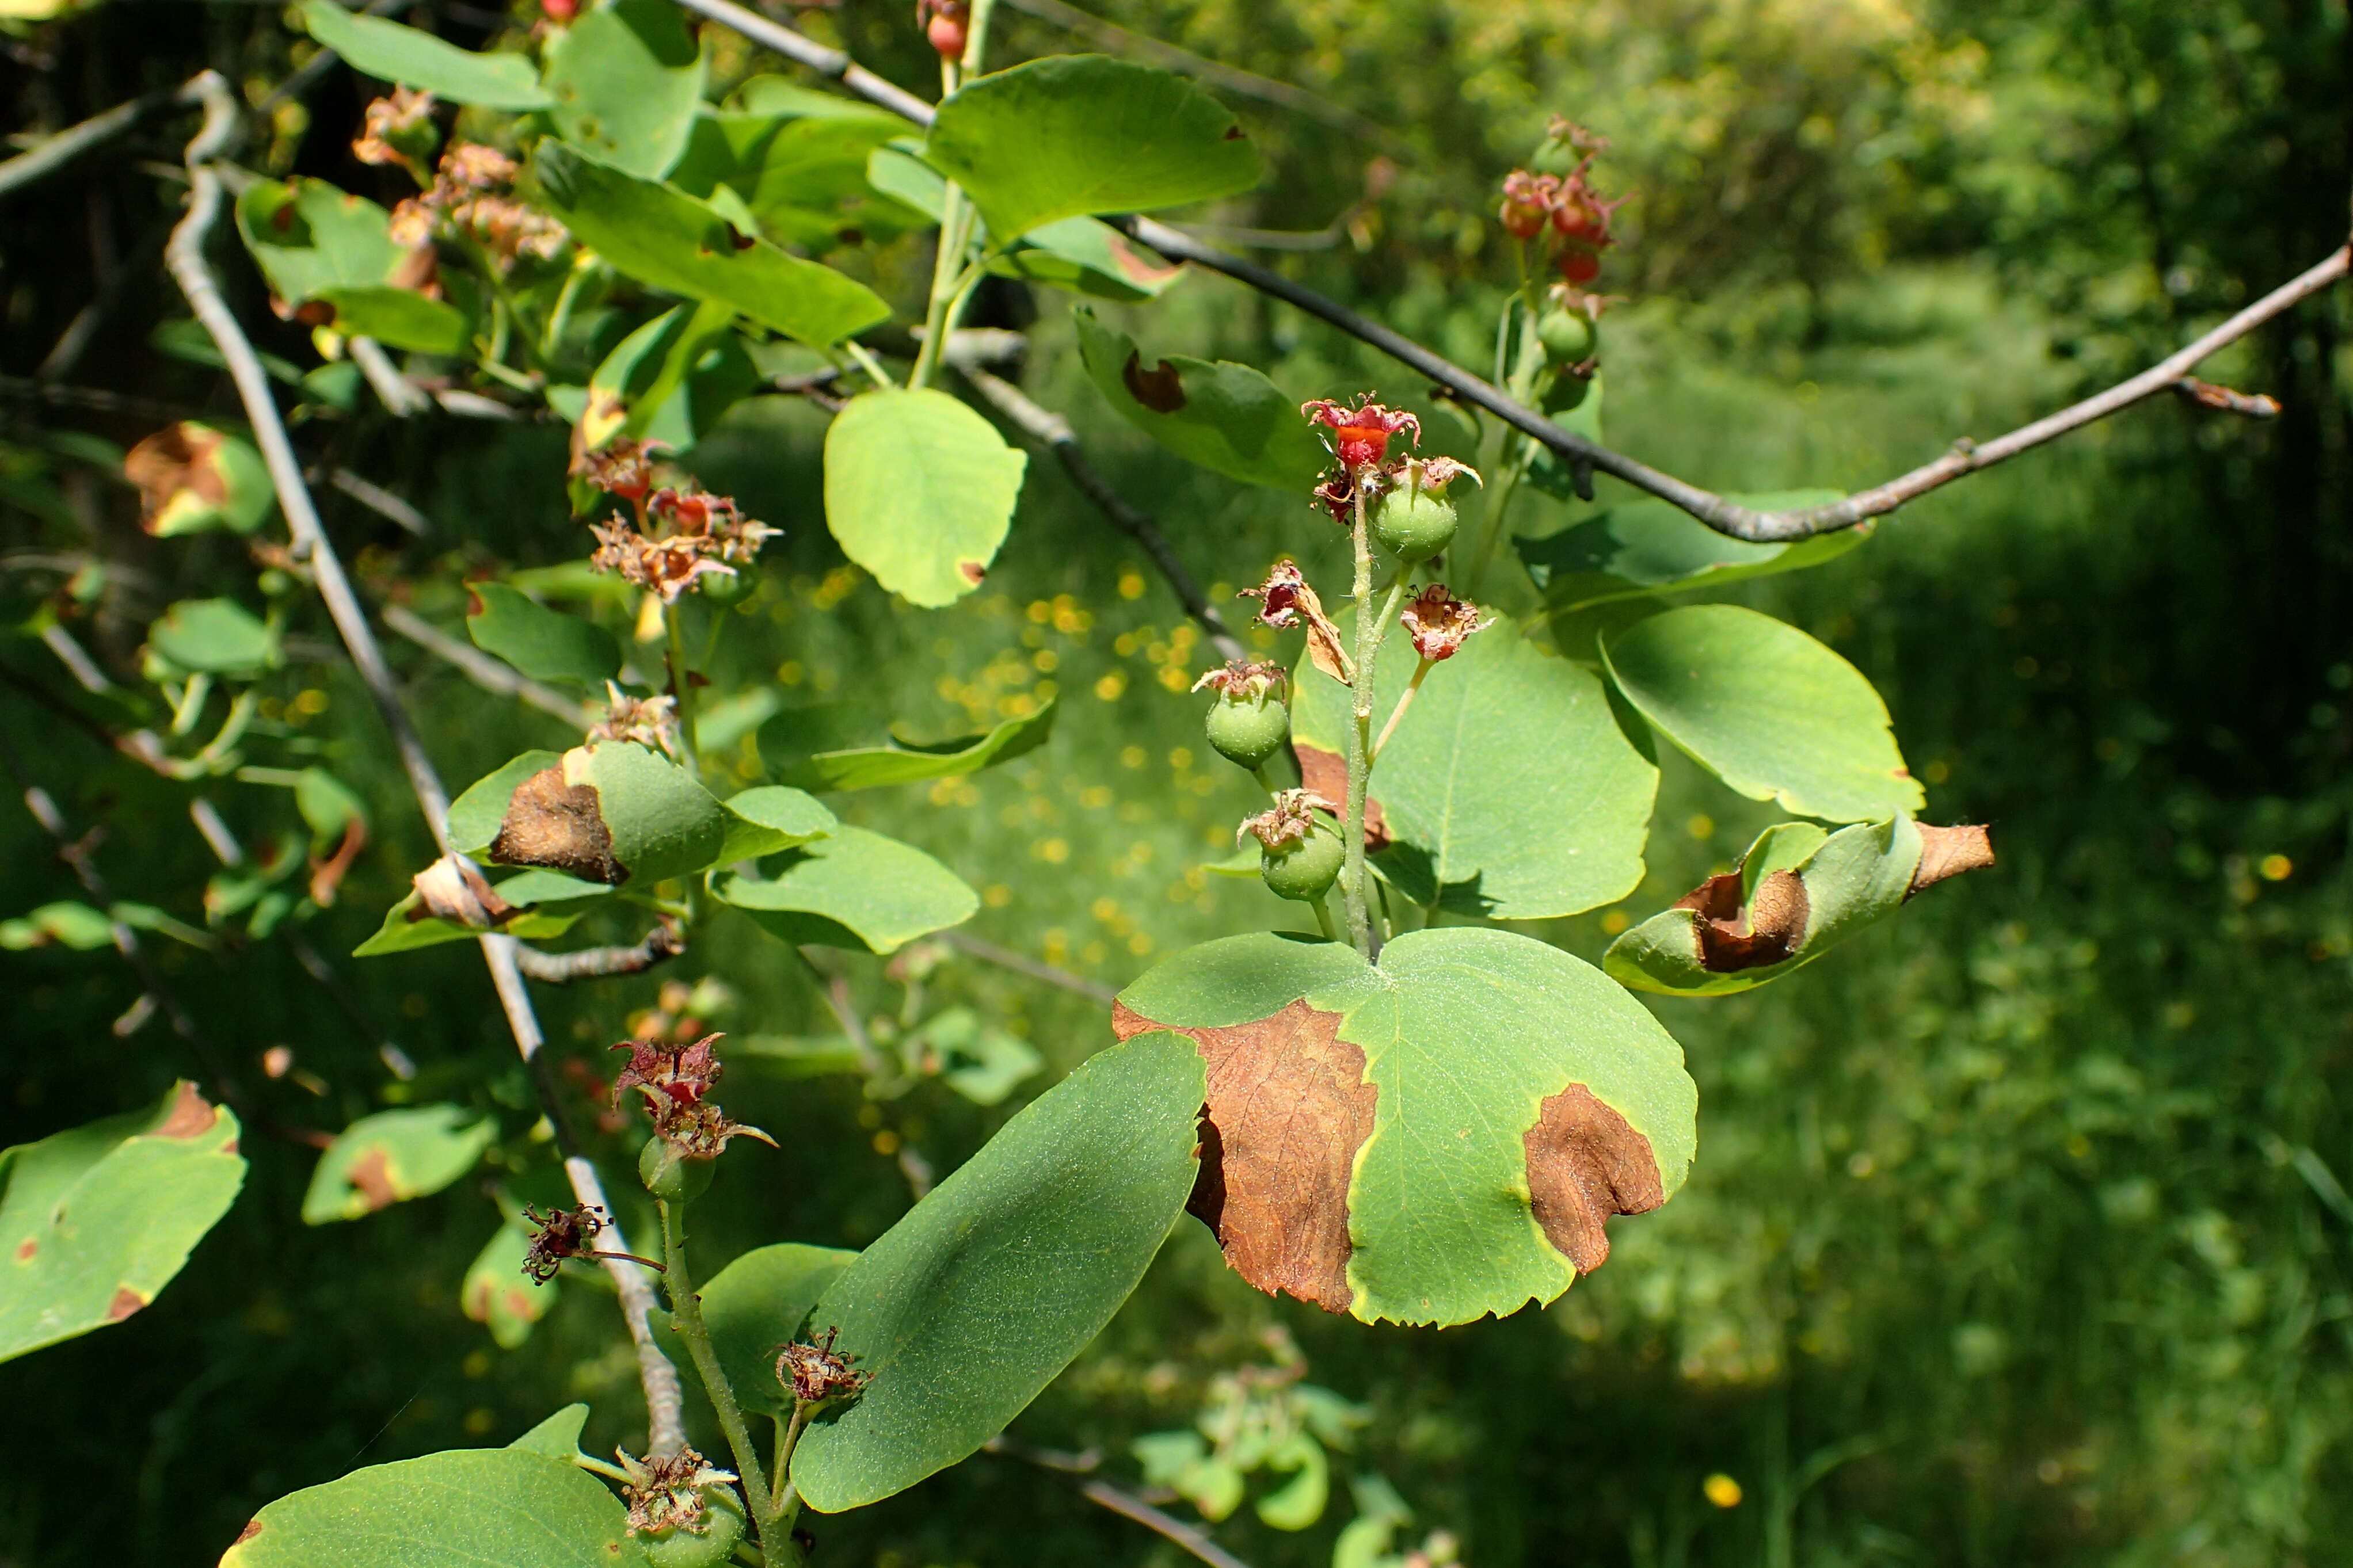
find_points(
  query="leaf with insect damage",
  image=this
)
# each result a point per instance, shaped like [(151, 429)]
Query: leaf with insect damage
[(919, 491), (1225, 416), (1799, 892), (94, 1221), (1429, 1140), (610, 813), (495, 1294), (393, 1156)]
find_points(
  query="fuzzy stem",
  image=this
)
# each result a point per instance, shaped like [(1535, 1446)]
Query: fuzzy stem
[(1323, 920), (1361, 734), (686, 1313), (682, 685), (1420, 672), (788, 1503), (866, 361)]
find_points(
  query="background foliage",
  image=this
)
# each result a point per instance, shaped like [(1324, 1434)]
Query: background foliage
[(2020, 1233)]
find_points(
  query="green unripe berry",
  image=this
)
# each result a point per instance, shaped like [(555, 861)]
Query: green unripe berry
[(1569, 337), (1412, 524), (723, 1527), (1305, 870), (1566, 393), (671, 1177), (1248, 731)]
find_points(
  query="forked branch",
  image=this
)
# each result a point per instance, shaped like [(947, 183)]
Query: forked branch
[(1725, 517)]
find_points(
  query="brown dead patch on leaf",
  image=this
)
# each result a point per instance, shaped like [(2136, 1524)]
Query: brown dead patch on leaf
[(1139, 270), (126, 1301), (192, 1115), (1586, 1163), (1160, 389), (451, 889), (1288, 1108), (370, 1175), (1949, 851), (25, 1248), (177, 458), (972, 572), (1326, 774), (252, 1529), (560, 826), (1768, 931)]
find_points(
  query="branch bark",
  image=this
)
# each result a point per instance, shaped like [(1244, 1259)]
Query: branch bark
[(53, 154), (664, 942), (1725, 517), (185, 255)]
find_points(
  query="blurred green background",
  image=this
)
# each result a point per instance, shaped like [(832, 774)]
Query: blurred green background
[(2020, 1231)]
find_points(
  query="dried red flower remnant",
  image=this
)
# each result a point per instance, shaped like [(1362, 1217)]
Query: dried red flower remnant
[(817, 1373), (1289, 821), (665, 1491), (1244, 678), (1361, 434), (1439, 622), (568, 1233), (676, 1081)]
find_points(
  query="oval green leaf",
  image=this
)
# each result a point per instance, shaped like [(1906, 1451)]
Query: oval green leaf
[(400, 933), (1509, 788), (544, 644), (96, 1220), (218, 636), (401, 318), (307, 235), (474, 816), (855, 889), (465, 1507), (770, 818), (666, 239), (970, 1305), (497, 1294), (1429, 1142), (1073, 134), (393, 1156), (784, 746), (627, 82), (1649, 547), (919, 491), (1768, 710), (612, 812), (391, 52), (1227, 418)]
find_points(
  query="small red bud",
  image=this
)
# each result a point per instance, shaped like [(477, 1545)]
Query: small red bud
[(1580, 265), (560, 12), (946, 29)]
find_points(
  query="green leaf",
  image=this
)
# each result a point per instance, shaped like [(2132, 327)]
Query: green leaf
[(786, 99), (548, 887), (612, 812), (328, 806), (393, 1156), (770, 818), (919, 491), (96, 1220), (65, 922), (759, 1304), (669, 240), (1799, 893), (400, 318), (544, 644), (398, 933), (794, 1056), (496, 1293), (219, 636), (1225, 416), (626, 81), (558, 1436), (1650, 547), (474, 816), (670, 380), (1508, 784), (1090, 256), (464, 1508), (1768, 710), (982, 1064), (855, 889), (391, 52), (307, 237), (1300, 1503), (784, 743), (1072, 134), (971, 1304), (1431, 1141)]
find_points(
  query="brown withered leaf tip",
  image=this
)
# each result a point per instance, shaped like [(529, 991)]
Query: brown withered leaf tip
[(1586, 1163), (1949, 851), (171, 460), (192, 1115), (1160, 389), (1767, 932), (1287, 1111), (370, 1175), (126, 1301), (559, 826), (1326, 774)]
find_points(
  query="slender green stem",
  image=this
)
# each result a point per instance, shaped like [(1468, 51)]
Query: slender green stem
[(788, 1503), (1323, 920), (1265, 783), (975, 35), (947, 265), (866, 361), (682, 685), (1420, 672), (1361, 734), (686, 1312), (561, 317)]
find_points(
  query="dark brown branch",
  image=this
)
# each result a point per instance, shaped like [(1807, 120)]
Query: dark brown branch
[(1050, 430), (1191, 1538), (2225, 400), (1725, 517), (664, 942)]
